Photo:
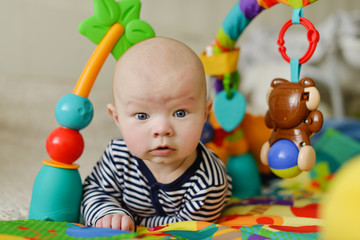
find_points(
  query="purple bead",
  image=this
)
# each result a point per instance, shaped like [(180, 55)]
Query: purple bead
[(250, 8), (218, 85)]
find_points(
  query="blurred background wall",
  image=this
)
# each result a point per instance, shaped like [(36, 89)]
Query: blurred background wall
[(40, 37)]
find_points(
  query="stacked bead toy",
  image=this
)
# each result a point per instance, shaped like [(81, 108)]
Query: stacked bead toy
[(57, 189)]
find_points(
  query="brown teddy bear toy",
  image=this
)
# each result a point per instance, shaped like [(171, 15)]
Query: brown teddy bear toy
[(292, 115)]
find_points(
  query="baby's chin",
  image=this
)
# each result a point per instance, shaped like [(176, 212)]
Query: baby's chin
[(162, 160), (166, 155)]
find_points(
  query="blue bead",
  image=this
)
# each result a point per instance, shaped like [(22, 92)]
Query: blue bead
[(74, 112), (283, 154)]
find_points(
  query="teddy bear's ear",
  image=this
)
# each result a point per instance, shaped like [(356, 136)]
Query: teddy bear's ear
[(278, 81), (312, 97), (307, 82)]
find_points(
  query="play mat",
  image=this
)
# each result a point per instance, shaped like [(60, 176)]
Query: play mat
[(284, 215), (255, 218)]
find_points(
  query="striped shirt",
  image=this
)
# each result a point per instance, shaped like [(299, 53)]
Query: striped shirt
[(121, 182)]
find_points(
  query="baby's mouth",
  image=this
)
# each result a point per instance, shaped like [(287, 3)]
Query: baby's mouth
[(164, 147), (162, 151)]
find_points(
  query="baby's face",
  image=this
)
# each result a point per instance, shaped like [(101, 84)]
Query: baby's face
[(161, 109)]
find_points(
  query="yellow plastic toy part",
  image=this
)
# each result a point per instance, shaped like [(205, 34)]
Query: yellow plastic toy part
[(340, 207), (56, 164), (220, 64), (97, 59)]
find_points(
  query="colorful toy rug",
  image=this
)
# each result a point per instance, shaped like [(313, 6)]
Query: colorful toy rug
[(289, 214)]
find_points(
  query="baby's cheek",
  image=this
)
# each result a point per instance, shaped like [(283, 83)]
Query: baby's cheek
[(136, 142), (191, 137)]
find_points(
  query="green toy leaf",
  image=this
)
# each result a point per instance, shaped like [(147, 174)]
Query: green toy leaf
[(135, 31), (93, 30), (138, 30), (107, 12), (129, 10), (121, 46)]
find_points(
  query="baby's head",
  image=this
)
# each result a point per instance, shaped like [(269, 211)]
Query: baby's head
[(160, 106)]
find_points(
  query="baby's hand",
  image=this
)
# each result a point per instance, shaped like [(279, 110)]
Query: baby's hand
[(116, 221)]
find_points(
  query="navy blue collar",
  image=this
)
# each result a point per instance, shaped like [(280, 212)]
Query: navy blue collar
[(176, 184)]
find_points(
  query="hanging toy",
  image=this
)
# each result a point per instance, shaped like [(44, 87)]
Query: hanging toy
[(229, 104), (292, 115), (234, 135)]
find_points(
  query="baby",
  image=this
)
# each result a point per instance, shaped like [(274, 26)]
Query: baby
[(159, 172)]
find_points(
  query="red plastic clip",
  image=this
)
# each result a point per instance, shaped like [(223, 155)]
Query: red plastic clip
[(312, 36)]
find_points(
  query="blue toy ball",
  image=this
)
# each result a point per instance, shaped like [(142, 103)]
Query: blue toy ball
[(282, 157), (74, 112)]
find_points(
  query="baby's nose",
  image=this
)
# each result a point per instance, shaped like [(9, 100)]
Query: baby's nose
[(163, 128)]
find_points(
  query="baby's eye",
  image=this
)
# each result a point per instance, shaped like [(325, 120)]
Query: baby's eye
[(141, 116), (180, 113)]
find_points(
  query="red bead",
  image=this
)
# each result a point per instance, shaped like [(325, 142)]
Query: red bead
[(64, 145)]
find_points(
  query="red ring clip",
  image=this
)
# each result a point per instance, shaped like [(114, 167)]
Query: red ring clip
[(312, 36)]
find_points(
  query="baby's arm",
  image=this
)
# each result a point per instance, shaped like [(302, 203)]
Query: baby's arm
[(205, 205), (102, 196), (99, 207)]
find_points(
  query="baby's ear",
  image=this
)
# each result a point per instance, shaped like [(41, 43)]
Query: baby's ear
[(113, 113), (208, 107)]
